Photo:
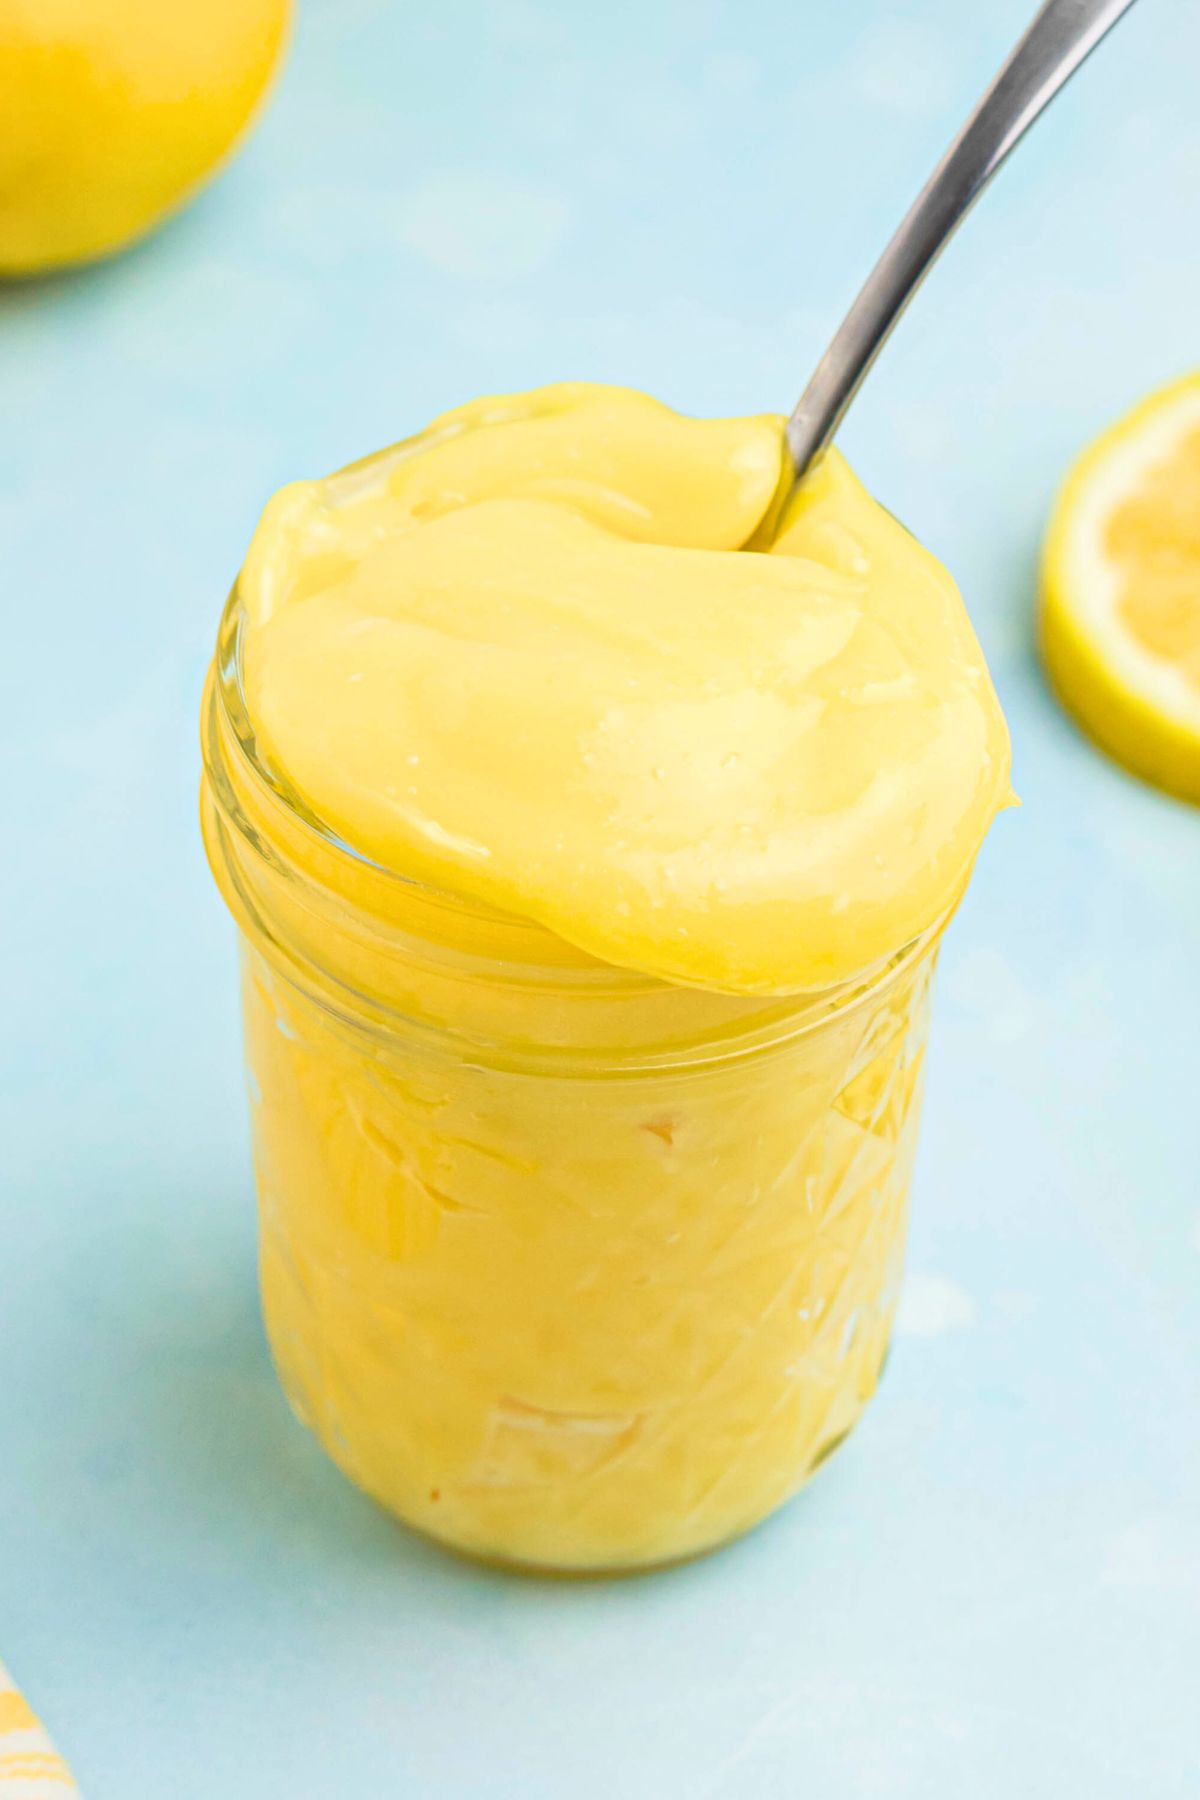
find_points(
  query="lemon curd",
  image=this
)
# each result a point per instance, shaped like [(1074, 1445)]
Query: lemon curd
[(591, 804)]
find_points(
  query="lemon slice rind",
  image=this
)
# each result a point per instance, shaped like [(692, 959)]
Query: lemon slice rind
[(1138, 706)]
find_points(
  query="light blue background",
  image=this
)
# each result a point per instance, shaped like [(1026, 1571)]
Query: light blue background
[(995, 1591)]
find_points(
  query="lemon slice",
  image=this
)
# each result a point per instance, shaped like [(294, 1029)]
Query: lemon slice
[(1120, 605)]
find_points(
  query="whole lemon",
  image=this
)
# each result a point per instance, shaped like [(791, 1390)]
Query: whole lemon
[(113, 112)]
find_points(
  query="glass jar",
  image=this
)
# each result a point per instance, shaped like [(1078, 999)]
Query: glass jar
[(566, 1266)]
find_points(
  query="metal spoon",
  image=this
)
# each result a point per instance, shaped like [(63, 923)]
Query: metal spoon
[(1058, 40)]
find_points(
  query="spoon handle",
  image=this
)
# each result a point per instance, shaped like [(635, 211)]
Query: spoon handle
[(1058, 40)]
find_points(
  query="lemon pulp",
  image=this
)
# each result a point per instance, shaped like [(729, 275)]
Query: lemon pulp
[(1153, 538), (1120, 603)]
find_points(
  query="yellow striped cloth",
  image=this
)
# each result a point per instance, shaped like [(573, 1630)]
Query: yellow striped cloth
[(30, 1766)]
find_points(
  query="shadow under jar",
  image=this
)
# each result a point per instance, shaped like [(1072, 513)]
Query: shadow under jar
[(566, 1266)]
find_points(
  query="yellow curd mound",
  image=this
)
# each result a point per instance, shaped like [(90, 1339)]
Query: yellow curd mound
[(583, 1149), (528, 658)]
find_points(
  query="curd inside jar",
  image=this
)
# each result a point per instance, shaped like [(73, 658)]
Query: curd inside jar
[(565, 1265)]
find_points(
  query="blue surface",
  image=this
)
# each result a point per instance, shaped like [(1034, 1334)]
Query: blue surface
[(995, 1591)]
